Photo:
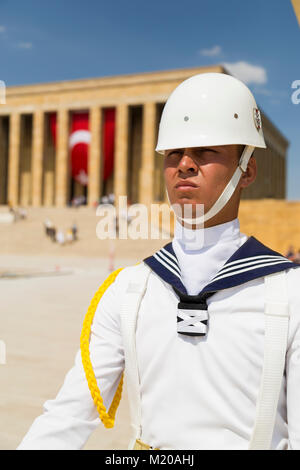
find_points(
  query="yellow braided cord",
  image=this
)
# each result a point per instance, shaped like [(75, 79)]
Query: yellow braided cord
[(107, 419)]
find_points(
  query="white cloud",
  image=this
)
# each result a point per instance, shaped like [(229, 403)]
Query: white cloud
[(275, 101), (2, 28), (212, 52), (275, 96), (248, 73), (25, 45), (263, 91)]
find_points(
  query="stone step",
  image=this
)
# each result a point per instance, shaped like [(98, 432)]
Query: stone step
[(274, 222)]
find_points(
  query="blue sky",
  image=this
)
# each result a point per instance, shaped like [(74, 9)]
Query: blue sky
[(63, 39)]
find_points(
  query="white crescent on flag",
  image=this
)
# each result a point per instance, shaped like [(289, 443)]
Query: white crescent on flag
[(79, 137)]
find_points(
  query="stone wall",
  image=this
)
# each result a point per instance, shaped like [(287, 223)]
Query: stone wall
[(274, 222)]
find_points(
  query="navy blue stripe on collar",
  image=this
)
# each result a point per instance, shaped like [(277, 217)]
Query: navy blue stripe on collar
[(165, 264), (251, 261)]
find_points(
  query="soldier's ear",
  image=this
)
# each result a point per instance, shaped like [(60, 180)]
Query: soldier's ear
[(249, 176)]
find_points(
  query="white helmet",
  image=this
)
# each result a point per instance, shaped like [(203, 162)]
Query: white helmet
[(212, 109)]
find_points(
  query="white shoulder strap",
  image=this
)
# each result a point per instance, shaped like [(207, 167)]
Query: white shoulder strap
[(129, 312), (276, 334)]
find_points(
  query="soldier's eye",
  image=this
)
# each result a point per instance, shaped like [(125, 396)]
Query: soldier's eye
[(208, 150), (174, 152)]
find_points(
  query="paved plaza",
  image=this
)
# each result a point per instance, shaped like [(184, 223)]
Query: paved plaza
[(41, 319)]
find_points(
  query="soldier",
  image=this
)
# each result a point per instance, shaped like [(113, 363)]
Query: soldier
[(208, 328)]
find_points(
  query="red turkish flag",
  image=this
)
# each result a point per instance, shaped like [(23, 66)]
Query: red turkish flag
[(79, 141), (52, 123), (108, 141)]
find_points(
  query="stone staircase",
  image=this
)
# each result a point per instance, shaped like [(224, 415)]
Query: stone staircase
[(28, 236), (274, 222), (5, 216)]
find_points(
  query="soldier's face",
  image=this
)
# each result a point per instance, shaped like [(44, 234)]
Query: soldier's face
[(199, 175)]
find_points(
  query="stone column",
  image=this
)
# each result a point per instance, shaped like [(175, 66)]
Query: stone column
[(37, 158), (2, 164), (14, 158), (146, 182), (94, 161), (62, 158), (121, 152)]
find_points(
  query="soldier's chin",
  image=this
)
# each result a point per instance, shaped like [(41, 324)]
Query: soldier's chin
[(188, 208), (184, 201)]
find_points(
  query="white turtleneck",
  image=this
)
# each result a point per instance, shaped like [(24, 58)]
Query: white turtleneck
[(201, 253)]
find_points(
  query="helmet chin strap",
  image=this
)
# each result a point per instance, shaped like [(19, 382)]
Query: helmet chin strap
[(227, 192)]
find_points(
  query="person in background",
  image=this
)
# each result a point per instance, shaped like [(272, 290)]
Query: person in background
[(111, 198), (22, 213), (297, 257), (69, 236), (53, 233), (12, 211), (104, 200), (48, 224), (74, 231), (60, 237), (290, 253)]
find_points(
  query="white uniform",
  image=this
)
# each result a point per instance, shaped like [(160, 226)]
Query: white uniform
[(197, 392)]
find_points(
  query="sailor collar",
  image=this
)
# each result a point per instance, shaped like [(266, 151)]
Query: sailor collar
[(251, 261)]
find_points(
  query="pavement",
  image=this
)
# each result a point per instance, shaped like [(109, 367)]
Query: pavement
[(41, 319)]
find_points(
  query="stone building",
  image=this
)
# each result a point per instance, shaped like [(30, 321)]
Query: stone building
[(36, 171)]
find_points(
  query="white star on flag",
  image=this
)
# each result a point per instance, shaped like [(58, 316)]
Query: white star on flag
[(82, 177)]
